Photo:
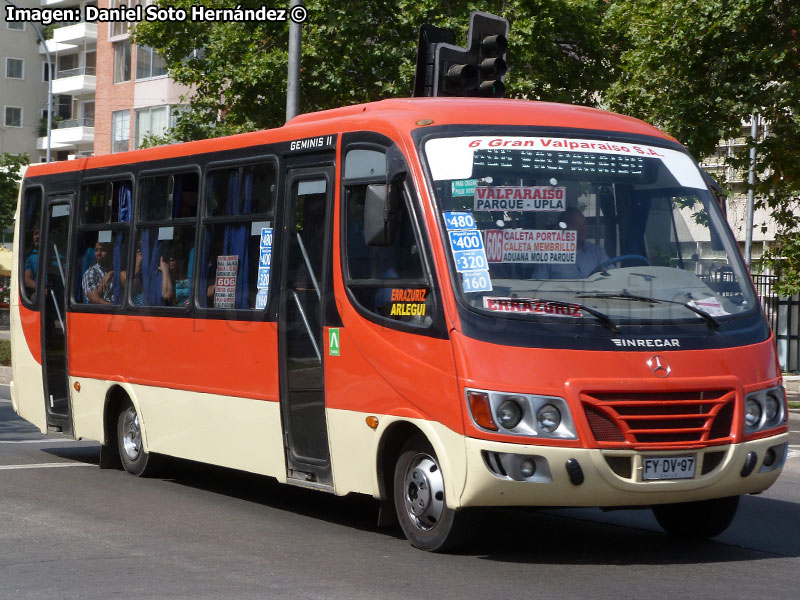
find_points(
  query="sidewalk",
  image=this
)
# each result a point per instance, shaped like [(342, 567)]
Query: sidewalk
[(792, 385)]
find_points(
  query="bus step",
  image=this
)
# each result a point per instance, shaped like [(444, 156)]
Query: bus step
[(306, 480)]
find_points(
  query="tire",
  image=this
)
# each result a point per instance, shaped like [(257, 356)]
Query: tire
[(129, 440), (420, 503), (697, 520)]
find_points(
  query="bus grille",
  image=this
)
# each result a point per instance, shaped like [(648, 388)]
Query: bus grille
[(622, 420)]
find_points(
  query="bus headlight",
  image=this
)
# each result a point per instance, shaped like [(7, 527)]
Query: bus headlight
[(509, 414), (752, 414), (764, 409), (548, 418), (771, 407), (521, 414)]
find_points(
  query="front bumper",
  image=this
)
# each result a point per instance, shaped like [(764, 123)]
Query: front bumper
[(719, 473)]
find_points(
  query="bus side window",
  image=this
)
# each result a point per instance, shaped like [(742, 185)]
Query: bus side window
[(31, 223), (388, 281), (100, 268), (164, 255), (239, 206)]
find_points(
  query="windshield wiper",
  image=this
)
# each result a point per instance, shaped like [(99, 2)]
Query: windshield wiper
[(711, 321), (602, 317)]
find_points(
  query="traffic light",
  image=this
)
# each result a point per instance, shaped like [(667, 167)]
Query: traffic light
[(429, 37), (477, 70)]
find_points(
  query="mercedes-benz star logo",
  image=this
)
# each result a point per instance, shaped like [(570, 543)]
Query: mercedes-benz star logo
[(659, 366)]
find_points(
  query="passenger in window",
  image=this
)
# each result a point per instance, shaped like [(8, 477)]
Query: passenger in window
[(188, 204), (176, 282), (588, 256), (32, 263), (97, 280)]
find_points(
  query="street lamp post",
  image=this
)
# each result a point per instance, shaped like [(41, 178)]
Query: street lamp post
[(751, 180), (49, 82), (293, 78)]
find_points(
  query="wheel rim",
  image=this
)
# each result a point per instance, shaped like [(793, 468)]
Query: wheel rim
[(131, 434), (424, 492)]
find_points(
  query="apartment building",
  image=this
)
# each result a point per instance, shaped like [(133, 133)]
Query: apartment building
[(135, 97), (73, 50), (23, 87), (108, 94), (764, 227)]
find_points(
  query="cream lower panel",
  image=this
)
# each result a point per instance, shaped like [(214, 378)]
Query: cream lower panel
[(87, 407), (354, 452), (601, 487), (28, 390), (238, 433)]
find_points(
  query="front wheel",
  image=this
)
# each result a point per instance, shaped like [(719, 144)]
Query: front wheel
[(129, 437), (697, 520), (419, 500)]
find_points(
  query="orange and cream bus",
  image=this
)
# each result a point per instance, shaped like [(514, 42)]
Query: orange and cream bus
[(441, 303)]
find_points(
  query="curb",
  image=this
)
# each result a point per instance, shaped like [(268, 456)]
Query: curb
[(5, 374)]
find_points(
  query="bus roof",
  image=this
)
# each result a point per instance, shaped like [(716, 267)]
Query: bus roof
[(400, 114)]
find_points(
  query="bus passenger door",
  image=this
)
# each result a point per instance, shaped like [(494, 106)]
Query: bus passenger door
[(309, 204), (53, 304)]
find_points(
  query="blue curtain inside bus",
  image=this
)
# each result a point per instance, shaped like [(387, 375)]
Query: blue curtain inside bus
[(124, 202)]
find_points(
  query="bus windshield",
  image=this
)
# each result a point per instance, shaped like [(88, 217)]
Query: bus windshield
[(571, 228)]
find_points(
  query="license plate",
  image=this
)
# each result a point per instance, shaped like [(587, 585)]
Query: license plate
[(668, 467)]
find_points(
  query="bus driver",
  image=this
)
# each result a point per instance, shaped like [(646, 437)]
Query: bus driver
[(588, 255)]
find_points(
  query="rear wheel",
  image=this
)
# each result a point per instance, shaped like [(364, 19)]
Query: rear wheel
[(420, 502), (697, 520), (129, 438)]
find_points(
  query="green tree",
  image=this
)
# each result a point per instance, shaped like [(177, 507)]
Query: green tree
[(10, 167), (364, 51), (699, 69)]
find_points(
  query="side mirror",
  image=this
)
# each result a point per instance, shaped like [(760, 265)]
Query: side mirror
[(382, 201), (379, 219)]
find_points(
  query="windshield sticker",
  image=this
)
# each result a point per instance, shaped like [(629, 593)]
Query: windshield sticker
[(264, 258), (454, 158), (407, 302), (546, 143), (264, 266), (542, 246), (407, 309), (468, 251), (459, 220), (476, 281), (225, 283), (465, 240), (261, 299), (463, 187), (537, 197), (711, 306), (532, 306)]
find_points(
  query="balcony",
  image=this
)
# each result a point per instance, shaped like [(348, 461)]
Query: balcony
[(78, 33), (70, 123), (70, 37), (69, 134), (75, 82), (56, 47)]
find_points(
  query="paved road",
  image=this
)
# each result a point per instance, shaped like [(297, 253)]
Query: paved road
[(71, 530)]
